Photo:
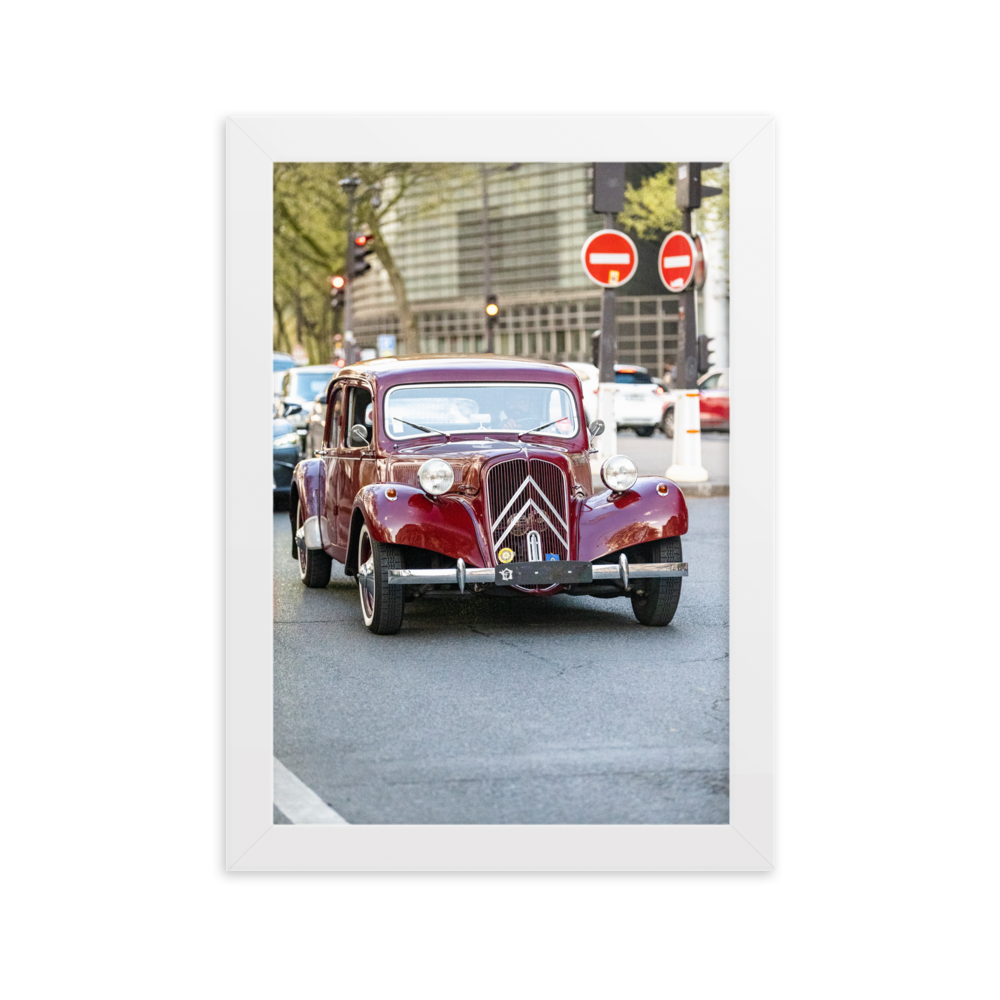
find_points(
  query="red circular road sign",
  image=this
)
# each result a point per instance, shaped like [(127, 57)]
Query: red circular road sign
[(676, 261), (609, 258)]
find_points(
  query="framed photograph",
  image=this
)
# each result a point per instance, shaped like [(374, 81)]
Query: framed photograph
[(536, 771)]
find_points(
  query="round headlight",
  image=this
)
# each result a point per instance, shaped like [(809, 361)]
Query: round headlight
[(436, 477), (619, 473)]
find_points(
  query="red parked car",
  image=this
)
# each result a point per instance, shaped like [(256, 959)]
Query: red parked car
[(471, 476), (713, 388)]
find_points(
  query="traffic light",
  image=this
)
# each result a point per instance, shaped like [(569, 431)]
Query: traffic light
[(337, 283), (359, 247), (492, 309), (703, 364), (690, 190)]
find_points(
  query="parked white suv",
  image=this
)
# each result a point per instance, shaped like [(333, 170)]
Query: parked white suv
[(639, 400)]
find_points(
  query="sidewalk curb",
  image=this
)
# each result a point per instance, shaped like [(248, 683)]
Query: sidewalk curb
[(704, 489)]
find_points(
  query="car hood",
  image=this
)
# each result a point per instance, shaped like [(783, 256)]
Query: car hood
[(468, 459)]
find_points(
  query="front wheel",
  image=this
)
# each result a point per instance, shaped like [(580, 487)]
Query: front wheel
[(658, 601), (645, 432), (315, 565), (381, 602), (668, 423)]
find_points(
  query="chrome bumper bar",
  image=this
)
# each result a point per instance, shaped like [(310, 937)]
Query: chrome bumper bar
[(540, 573)]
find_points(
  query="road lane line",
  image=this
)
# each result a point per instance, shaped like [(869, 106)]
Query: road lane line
[(298, 801)]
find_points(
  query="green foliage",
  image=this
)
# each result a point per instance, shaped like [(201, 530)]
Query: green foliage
[(310, 239), (651, 210)]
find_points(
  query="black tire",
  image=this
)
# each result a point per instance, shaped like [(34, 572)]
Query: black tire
[(668, 423), (382, 604), (315, 565), (659, 600), (645, 432)]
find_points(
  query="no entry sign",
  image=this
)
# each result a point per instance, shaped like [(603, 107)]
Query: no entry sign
[(676, 261), (609, 258)]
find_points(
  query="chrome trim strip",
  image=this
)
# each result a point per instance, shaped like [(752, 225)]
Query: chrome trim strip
[(602, 571), (639, 571), (541, 514), (510, 503)]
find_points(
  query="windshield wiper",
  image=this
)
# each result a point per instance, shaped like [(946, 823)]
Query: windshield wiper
[(542, 428), (426, 430)]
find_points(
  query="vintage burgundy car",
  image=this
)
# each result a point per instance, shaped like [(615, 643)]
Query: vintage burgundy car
[(471, 475)]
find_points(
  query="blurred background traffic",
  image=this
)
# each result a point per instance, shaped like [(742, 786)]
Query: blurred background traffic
[(387, 259)]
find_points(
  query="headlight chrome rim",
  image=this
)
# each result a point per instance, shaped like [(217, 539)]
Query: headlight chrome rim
[(436, 476), (619, 473)]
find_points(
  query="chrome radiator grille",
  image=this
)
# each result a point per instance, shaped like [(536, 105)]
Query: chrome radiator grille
[(527, 509)]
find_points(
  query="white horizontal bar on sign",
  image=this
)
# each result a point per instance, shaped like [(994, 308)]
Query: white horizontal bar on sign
[(610, 258), (682, 261)]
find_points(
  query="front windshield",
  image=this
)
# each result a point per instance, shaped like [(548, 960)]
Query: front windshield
[(483, 408)]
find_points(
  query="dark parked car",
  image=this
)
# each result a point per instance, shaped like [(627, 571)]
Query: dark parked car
[(471, 476), (286, 455)]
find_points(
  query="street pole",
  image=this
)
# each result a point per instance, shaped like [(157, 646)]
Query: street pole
[(686, 466), (608, 347), (487, 263), (348, 297)]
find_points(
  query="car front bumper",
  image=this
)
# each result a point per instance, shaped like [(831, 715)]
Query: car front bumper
[(544, 574)]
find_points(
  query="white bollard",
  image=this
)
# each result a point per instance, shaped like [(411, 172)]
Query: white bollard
[(607, 443), (687, 467)]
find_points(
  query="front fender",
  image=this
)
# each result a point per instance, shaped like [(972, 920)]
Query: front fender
[(439, 524), (610, 521), (308, 485)]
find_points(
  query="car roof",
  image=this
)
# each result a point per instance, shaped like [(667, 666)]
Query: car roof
[(452, 368), (315, 368)]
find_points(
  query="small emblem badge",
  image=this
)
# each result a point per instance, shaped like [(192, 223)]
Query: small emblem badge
[(506, 555), (506, 574), (551, 557)]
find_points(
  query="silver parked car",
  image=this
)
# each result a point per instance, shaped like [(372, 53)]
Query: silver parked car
[(300, 386)]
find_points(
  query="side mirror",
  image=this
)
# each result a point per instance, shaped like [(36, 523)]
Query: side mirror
[(291, 408), (359, 436), (597, 428)]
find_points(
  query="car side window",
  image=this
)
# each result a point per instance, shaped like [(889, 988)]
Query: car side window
[(333, 412), (711, 382), (359, 412), (286, 383)]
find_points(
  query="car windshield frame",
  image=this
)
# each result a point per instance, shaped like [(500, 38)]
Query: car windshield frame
[(482, 430)]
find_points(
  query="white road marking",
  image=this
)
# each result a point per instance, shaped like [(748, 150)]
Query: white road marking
[(298, 801), (610, 258), (682, 261)]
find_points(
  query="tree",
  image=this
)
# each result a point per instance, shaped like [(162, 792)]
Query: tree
[(310, 239), (651, 210)]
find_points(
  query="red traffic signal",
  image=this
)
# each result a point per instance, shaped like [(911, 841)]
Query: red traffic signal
[(361, 240), (337, 281)]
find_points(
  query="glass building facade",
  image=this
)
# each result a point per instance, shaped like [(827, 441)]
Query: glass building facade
[(540, 215)]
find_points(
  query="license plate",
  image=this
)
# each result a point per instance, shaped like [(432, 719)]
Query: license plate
[(635, 399), (533, 574)]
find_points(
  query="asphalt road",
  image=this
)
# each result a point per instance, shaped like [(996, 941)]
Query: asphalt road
[(653, 455), (509, 710)]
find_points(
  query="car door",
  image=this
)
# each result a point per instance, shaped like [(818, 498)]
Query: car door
[(353, 455), (330, 453)]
